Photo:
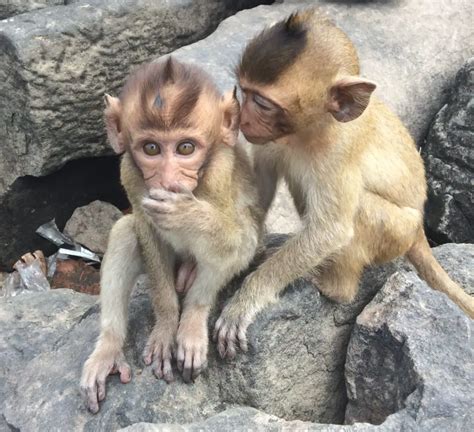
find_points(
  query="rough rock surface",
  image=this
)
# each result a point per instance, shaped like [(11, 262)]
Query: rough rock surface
[(449, 157), (10, 8), (294, 368), (49, 337), (412, 351), (413, 67), (56, 64), (411, 355), (90, 225)]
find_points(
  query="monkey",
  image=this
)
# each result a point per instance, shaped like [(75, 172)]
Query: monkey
[(195, 209), (352, 168)]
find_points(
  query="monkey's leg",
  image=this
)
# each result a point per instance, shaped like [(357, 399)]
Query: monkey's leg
[(339, 278), (120, 268), (192, 338), (160, 260)]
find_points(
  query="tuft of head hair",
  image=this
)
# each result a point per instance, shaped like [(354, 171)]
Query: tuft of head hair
[(166, 92), (307, 43), (272, 51)]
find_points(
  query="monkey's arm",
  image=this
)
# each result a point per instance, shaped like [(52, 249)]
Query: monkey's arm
[(267, 177), (120, 268), (326, 231)]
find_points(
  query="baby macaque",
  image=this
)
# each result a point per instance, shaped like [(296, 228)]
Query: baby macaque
[(196, 218), (353, 170)]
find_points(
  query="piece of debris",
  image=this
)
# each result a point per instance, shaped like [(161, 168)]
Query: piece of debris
[(50, 231), (76, 275), (30, 275), (90, 225)]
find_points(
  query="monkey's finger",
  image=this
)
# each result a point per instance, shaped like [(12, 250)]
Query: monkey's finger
[(162, 195), (155, 206), (101, 389), (222, 342), (197, 366), (242, 338), (168, 371), (230, 350), (188, 366), (125, 373), (147, 355), (180, 358), (158, 368), (91, 399), (217, 328)]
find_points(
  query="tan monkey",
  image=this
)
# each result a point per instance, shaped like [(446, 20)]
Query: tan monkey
[(352, 168), (195, 206)]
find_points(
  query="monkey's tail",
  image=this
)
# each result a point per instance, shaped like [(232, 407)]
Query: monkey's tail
[(431, 271)]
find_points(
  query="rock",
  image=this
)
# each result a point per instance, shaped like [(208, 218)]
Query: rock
[(56, 64), (90, 225), (76, 275), (411, 353), (10, 8), (449, 156), (3, 278), (410, 345), (409, 358), (413, 67), (294, 368)]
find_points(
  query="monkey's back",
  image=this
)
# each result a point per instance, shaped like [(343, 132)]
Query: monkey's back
[(391, 165)]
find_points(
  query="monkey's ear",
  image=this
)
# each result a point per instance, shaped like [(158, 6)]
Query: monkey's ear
[(231, 118), (113, 110), (349, 97)]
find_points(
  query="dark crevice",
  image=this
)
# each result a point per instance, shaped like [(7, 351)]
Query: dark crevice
[(32, 201)]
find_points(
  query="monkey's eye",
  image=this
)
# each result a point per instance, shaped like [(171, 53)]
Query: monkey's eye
[(185, 148), (262, 102), (151, 149)]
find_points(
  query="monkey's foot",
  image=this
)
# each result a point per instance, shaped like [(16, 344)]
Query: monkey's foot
[(230, 332), (96, 369), (192, 350), (159, 352)]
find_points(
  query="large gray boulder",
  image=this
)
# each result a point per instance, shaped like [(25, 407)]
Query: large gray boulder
[(295, 369), (55, 65), (449, 156), (409, 48), (10, 8), (412, 352), (409, 364)]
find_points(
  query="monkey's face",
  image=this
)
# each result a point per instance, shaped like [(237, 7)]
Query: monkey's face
[(262, 119), (170, 119), (171, 161)]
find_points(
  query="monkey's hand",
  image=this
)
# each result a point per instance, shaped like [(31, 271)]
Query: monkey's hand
[(192, 347), (173, 210), (230, 330), (159, 352), (100, 364)]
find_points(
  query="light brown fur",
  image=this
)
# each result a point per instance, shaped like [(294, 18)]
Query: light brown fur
[(352, 168), (214, 222)]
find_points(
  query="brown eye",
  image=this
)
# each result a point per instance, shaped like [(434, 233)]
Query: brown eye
[(186, 148), (151, 149)]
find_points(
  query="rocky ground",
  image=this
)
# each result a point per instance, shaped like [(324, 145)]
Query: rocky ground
[(405, 362), (401, 357)]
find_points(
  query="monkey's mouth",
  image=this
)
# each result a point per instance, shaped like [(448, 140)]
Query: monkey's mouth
[(256, 139)]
